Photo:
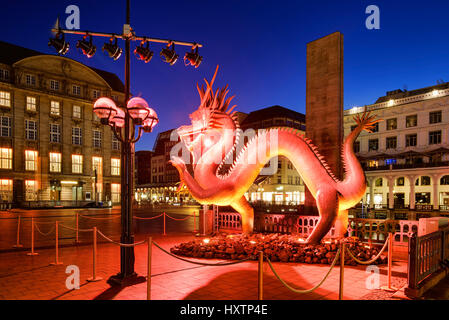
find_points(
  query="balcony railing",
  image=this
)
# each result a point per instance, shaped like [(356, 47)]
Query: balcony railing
[(406, 166)]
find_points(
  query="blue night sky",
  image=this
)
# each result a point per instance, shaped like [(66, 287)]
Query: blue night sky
[(259, 45)]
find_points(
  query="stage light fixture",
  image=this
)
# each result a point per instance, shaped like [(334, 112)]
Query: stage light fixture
[(86, 46), (169, 54), (143, 53), (59, 43), (112, 49), (193, 58)]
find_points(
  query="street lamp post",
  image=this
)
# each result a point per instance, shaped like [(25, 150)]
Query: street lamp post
[(123, 120)]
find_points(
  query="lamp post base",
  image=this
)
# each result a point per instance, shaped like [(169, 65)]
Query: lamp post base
[(121, 280)]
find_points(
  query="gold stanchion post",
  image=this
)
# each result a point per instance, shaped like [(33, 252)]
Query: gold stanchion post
[(164, 225), (150, 245), (77, 228), (32, 253), (342, 270), (57, 262), (390, 264), (94, 258), (260, 278), (18, 245)]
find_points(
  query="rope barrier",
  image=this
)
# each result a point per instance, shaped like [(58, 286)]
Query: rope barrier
[(183, 219), (119, 243), (373, 259), (44, 234), (308, 290), (76, 229), (98, 218), (148, 218), (202, 263)]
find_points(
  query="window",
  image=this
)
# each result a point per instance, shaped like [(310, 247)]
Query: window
[(96, 94), (375, 127), (373, 144), (357, 146), (400, 181), (54, 85), (391, 142), (373, 163), (31, 104), (97, 166), (411, 121), (5, 99), (425, 181), (96, 139), (30, 80), (279, 179), (5, 126), (77, 136), (30, 130), (77, 112), (30, 190), (444, 180), (76, 90), (55, 132), (115, 143), (54, 108), (30, 160), (55, 162), (77, 163), (115, 192), (435, 117), (5, 158), (392, 124), (6, 190), (390, 161), (379, 182), (435, 137), (411, 140), (4, 74), (115, 167)]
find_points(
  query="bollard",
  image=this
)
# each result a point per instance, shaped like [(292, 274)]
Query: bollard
[(94, 258), (390, 264), (342, 270), (32, 253), (57, 262), (150, 245), (77, 228), (18, 245), (164, 225), (260, 278)]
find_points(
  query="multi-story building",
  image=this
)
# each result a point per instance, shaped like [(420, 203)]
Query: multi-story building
[(142, 167), (406, 158), (52, 146)]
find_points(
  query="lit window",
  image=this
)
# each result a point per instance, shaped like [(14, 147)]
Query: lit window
[(54, 108), (55, 133), (115, 143), (115, 192), (77, 112), (54, 85), (97, 165), (30, 160), (30, 80), (30, 130), (6, 190), (55, 162), (5, 99), (4, 74), (30, 190), (411, 121), (77, 136), (392, 124), (31, 103), (77, 163), (96, 139), (115, 167), (76, 90), (5, 158), (5, 126)]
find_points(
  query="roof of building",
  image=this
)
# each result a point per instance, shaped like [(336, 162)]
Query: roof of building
[(271, 112), (398, 94), (11, 53)]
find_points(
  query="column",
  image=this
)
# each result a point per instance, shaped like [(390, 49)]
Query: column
[(390, 193), (435, 195), (412, 192), (371, 192)]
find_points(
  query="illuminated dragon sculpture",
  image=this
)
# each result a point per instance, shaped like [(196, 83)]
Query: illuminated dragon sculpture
[(213, 136)]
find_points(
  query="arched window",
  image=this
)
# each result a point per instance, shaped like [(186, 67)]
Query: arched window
[(444, 180), (379, 182), (425, 181), (400, 181)]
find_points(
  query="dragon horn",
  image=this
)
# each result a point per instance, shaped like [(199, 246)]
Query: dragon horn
[(209, 86)]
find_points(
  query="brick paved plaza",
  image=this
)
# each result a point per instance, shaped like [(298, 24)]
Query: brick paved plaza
[(32, 277)]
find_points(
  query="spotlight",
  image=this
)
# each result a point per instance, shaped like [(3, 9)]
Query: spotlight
[(86, 46), (143, 53), (193, 58), (169, 54), (112, 49), (59, 43)]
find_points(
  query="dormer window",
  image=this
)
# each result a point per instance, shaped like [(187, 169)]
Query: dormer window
[(76, 90), (96, 94), (4, 74), (31, 80), (54, 85)]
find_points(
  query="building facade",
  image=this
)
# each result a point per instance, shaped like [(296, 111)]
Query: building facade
[(53, 148), (406, 158)]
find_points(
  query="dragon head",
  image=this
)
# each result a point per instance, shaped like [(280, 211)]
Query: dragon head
[(212, 122)]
